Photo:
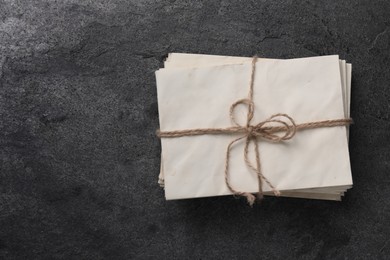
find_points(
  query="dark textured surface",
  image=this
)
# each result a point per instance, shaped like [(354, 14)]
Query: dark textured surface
[(78, 109)]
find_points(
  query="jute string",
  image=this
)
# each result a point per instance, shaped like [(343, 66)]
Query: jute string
[(266, 129)]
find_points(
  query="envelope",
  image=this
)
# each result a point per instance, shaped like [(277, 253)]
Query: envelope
[(180, 60), (308, 89), (189, 60)]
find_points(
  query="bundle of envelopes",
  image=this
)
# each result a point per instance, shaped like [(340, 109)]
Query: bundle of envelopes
[(197, 91)]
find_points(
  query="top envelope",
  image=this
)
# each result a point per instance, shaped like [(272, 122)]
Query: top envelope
[(307, 89)]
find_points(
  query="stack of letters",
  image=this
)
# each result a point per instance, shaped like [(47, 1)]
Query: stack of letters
[(239, 125)]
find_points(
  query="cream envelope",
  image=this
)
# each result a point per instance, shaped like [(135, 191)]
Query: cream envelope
[(180, 60), (308, 89), (197, 60), (189, 60)]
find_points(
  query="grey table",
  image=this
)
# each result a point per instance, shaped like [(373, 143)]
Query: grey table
[(78, 112)]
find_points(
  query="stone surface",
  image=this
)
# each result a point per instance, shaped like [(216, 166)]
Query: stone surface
[(78, 112)]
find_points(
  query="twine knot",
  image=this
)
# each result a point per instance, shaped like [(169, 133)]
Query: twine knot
[(250, 130)]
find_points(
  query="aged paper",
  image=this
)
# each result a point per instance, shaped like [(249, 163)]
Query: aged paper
[(244, 78)]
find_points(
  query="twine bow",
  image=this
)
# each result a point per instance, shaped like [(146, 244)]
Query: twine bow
[(267, 129)]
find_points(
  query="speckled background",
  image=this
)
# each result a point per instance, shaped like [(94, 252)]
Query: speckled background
[(78, 111)]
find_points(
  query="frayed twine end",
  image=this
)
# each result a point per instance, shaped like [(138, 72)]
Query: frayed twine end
[(250, 198)]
